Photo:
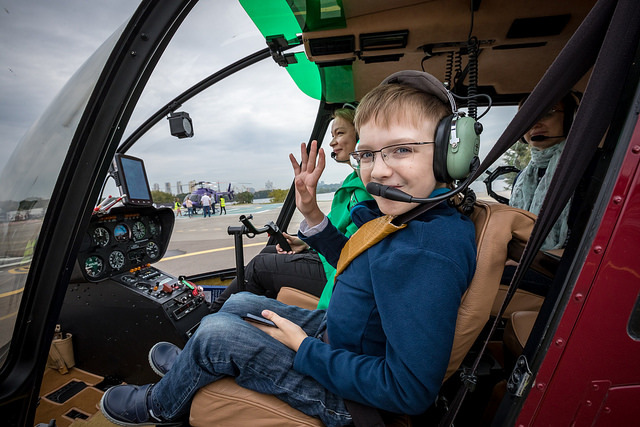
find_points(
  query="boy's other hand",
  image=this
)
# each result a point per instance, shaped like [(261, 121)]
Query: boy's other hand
[(287, 332)]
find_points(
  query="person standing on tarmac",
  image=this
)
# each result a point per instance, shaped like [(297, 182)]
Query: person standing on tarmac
[(222, 206), (206, 205)]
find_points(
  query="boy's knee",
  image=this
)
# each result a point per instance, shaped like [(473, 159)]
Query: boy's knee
[(214, 327), (243, 303)]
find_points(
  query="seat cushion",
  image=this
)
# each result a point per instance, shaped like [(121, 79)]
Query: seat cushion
[(518, 329), (224, 403)]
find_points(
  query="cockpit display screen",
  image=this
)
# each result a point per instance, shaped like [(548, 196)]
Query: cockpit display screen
[(133, 180)]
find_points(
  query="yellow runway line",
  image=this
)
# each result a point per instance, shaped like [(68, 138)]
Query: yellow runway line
[(209, 251)]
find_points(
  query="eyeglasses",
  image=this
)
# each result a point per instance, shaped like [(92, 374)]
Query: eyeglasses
[(550, 113), (392, 155)]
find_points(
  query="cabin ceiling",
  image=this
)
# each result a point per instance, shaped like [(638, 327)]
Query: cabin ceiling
[(518, 39)]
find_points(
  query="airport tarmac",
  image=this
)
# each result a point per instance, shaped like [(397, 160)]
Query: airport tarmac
[(200, 245)]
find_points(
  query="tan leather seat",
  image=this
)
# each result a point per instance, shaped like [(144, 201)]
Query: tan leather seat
[(518, 329), (521, 301), (225, 404), (545, 263)]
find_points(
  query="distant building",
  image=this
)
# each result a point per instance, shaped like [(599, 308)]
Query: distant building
[(179, 187), (167, 187)]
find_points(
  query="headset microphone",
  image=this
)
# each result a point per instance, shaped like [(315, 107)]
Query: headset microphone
[(387, 192), (333, 156), (392, 193), (543, 137)]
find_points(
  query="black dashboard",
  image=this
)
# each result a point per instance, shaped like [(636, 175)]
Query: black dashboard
[(127, 239), (118, 304)]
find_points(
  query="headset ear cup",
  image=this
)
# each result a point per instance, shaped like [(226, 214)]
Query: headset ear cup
[(443, 134)]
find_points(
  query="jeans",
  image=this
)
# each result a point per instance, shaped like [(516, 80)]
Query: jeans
[(226, 345), (206, 211)]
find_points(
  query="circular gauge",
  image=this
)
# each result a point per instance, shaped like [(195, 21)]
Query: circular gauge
[(93, 266), (154, 228), (101, 236), (116, 260), (153, 250), (121, 233), (138, 230)]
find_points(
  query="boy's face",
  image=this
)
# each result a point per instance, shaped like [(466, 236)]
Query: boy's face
[(412, 173)]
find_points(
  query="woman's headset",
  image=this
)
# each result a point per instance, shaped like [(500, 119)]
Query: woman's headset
[(457, 140)]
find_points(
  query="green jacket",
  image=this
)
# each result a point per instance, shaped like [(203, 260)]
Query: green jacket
[(348, 195)]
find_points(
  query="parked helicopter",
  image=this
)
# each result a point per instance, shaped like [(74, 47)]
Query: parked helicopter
[(212, 190)]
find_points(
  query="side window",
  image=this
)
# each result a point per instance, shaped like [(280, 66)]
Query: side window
[(494, 123)]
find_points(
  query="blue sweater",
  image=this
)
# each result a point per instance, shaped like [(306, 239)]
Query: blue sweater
[(391, 319)]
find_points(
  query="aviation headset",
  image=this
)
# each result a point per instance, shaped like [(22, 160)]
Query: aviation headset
[(570, 104), (457, 141)]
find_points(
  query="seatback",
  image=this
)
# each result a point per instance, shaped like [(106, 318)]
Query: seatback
[(495, 224)]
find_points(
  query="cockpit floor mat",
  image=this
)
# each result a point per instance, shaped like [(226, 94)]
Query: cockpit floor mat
[(85, 402), (53, 380), (80, 400)]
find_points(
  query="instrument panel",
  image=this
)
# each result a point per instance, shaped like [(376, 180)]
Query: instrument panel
[(127, 238)]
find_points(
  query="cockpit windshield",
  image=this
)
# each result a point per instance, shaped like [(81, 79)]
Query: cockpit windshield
[(28, 182)]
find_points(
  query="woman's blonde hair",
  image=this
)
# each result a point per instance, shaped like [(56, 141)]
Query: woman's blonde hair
[(347, 114)]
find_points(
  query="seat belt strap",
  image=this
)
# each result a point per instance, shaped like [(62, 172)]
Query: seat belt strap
[(366, 236)]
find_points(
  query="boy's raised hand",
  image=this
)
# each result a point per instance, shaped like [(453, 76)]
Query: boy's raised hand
[(307, 175)]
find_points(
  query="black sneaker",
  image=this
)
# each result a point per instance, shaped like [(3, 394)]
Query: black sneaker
[(128, 405), (162, 356)]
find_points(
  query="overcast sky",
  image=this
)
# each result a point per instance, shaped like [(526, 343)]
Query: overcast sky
[(244, 126)]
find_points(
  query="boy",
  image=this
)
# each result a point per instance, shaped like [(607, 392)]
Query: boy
[(391, 319)]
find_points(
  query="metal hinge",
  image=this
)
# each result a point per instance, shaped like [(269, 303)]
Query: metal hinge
[(520, 377), (277, 45)]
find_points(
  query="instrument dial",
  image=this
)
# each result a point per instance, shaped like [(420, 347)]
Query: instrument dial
[(121, 233), (153, 250), (139, 230), (154, 228), (116, 260), (101, 236), (93, 266)]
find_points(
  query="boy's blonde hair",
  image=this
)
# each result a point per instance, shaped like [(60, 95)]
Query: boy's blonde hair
[(388, 104)]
